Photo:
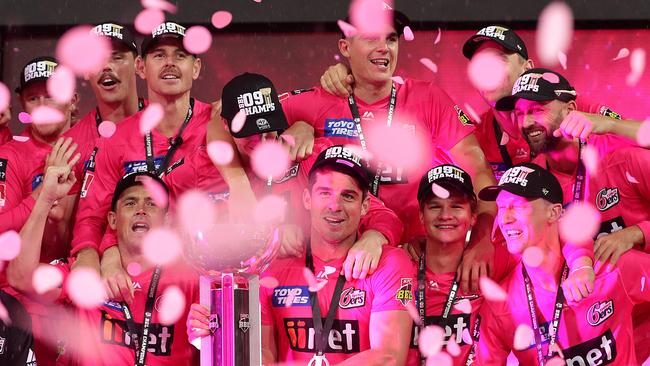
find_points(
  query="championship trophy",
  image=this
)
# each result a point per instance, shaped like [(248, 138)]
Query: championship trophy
[(230, 257)]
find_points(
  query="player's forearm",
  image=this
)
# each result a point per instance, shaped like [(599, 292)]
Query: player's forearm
[(21, 268), (625, 128)]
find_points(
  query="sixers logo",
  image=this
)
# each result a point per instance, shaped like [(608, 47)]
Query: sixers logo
[(352, 298), (607, 198), (599, 312), (404, 293)]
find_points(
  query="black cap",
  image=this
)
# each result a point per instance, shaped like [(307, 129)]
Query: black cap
[(449, 177), (538, 85), (400, 21), (37, 70), (256, 96), (117, 33), (526, 180), (134, 179), (504, 36), (344, 160), (163, 30)]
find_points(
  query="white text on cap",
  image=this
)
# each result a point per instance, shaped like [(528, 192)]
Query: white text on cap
[(516, 175), (493, 32), (39, 69), (256, 102), (342, 152), (109, 30), (445, 172)]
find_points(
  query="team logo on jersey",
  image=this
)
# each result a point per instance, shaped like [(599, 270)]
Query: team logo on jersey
[(405, 294), (36, 181), (115, 331), (244, 322), (597, 351), (516, 175), (325, 272), (340, 127), (257, 102), (607, 198), (343, 337), (607, 112), (610, 226), (454, 326), (137, 285), (368, 115), (493, 32), (599, 312), (3, 194), (284, 296), (85, 186), (352, 298), (462, 117), (290, 173), (527, 83)]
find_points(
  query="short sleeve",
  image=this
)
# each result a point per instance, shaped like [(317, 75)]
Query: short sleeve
[(394, 281)]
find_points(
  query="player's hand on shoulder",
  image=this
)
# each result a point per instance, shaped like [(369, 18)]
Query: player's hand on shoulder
[(580, 125), (337, 80), (292, 240), (300, 141)]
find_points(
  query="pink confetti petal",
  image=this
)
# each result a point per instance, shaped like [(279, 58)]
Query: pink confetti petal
[(21, 138), (438, 36), (289, 140), (5, 97), (643, 135), (394, 146), (270, 159), (408, 34), (171, 305), (524, 337), (151, 117), (4, 315), (195, 212), (43, 115), (360, 152), (258, 1), (134, 269), (398, 80), (198, 39), (630, 178), (551, 77), (314, 284), (148, 19), (491, 290), (220, 152), (159, 4), (467, 338), (269, 282), (556, 361), (106, 129), (452, 347), (533, 256), (472, 113), (221, 19), (439, 191), (156, 190), (579, 223), (270, 210), (637, 66), (429, 64), (413, 312), (24, 117), (370, 17), (347, 29), (61, 85), (161, 246), (464, 306), (85, 288), (504, 139), (10, 243), (83, 51), (238, 121), (430, 340), (554, 32), (440, 359), (486, 71), (290, 297), (337, 57), (45, 278), (622, 53), (590, 158), (562, 59)]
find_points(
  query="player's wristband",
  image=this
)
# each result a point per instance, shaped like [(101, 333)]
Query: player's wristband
[(581, 267)]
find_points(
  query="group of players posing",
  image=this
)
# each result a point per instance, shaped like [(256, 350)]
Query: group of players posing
[(345, 216)]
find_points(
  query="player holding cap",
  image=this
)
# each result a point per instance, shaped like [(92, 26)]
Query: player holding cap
[(448, 217), (364, 320), (596, 330), (107, 335)]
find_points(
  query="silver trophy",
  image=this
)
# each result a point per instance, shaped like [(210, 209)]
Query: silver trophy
[(230, 257)]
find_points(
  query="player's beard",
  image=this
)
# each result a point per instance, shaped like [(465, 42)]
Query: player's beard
[(543, 143)]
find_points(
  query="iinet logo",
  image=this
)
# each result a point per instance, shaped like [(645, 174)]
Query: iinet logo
[(598, 351), (343, 338)]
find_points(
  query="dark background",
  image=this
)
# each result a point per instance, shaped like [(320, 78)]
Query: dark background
[(293, 41)]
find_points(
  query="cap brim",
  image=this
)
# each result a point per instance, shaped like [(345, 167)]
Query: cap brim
[(473, 43), (20, 88), (346, 169), (152, 42), (490, 193), (508, 103)]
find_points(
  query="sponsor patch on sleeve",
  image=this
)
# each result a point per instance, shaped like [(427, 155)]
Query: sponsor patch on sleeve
[(405, 294), (462, 117), (608, 112)]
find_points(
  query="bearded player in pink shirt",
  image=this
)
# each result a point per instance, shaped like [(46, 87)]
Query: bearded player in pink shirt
[(365, 320), (594, 331)]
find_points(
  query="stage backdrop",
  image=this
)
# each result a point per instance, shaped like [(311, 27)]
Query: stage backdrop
[(296, 60)]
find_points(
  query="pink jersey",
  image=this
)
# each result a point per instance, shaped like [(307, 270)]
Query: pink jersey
[(389, 288), (594, 331), (421, 107), (437, 289), (105, 339), (5, 135), (123, 153)]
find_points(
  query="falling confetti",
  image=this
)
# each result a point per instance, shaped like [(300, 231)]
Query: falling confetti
[(533, 256), (24, 117), (171, 306), (429, 64), (637, 66), (85, 288), (159, 4), (643, 135), (197, 39), (524, 337), (408, 34), (238, 121), (5, 97), (472, 113), (551, 77), (220, 152), (369, 16), (562, 59), (622, 53), (439, 359), (9, 245), (452, 347), (134, 269), (464, 306), (161, 246), (158, 193), (106, 129), (398, 79), (590, 158), (45, 114), (438, 36), (430, 340), (630, 178), (504, 139), (21, 138), (486, 71), (270, 159), (491, 290), (196, 213), (312, 282), (148, 19), (45, 278), (270, 210), (269, 282), (348, 29), (579, 223), (413, 312), (151, 117), (221, 19), (439, 191), (61, 85), (82, 51), (554, 32)]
